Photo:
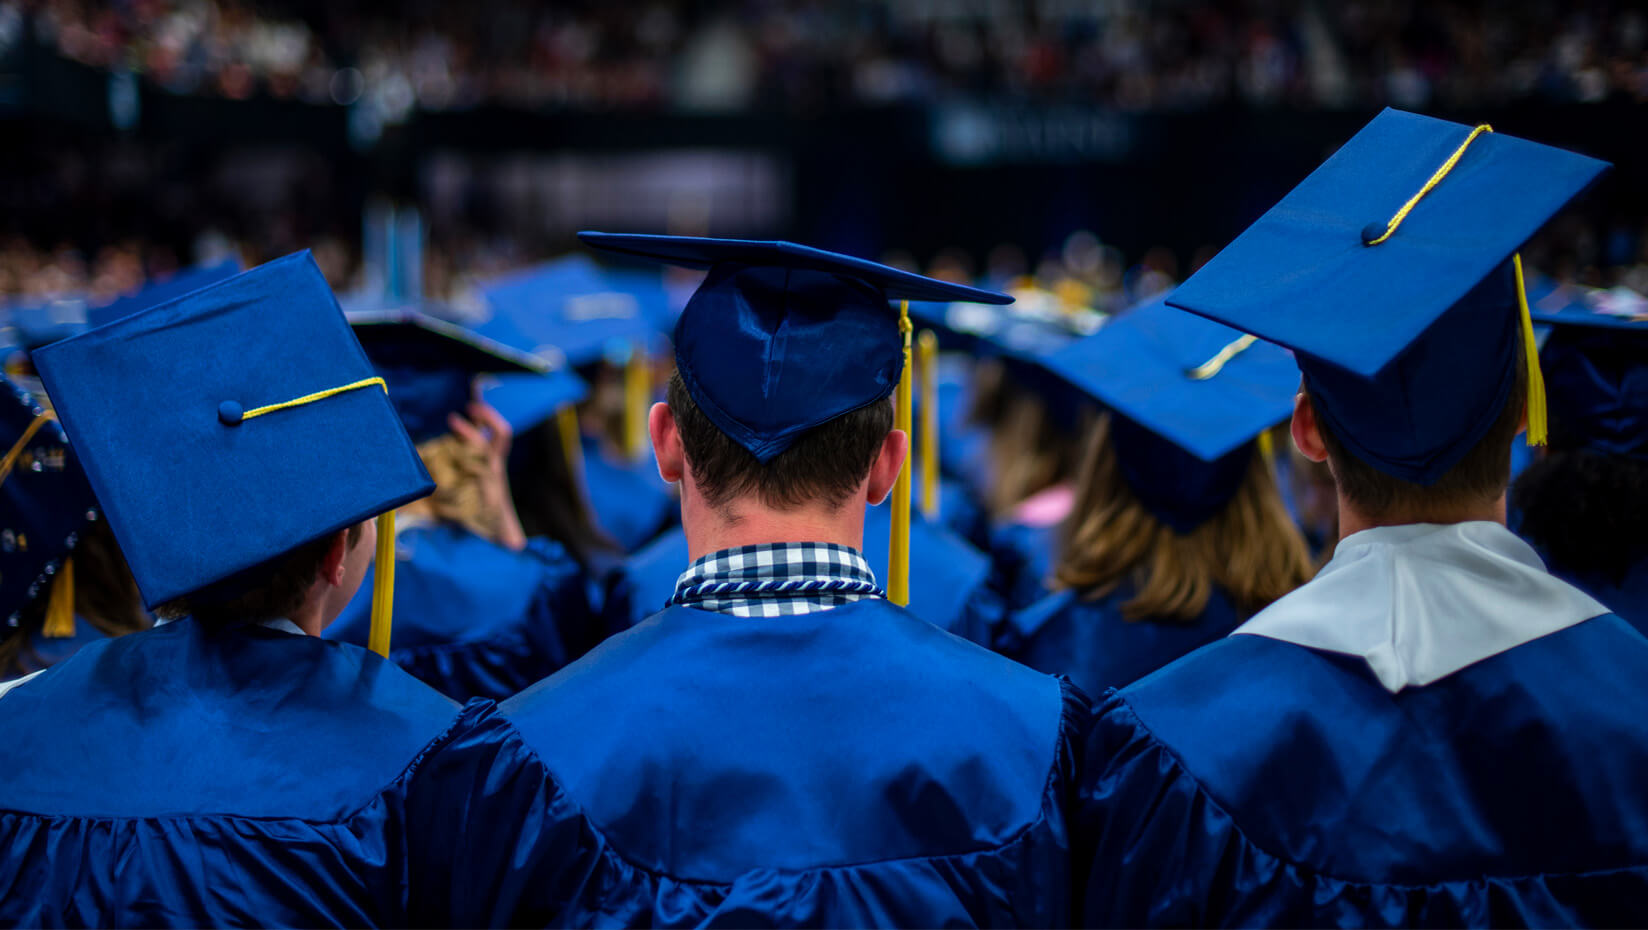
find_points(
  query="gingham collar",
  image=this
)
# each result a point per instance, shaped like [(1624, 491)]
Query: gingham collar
[(776, 579)]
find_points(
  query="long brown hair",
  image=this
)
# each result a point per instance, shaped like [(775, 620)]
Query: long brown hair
[(1250, 549), (1030, 451)]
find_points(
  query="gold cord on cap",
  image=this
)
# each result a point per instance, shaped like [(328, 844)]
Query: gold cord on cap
[(1217, 363), (898, 548), (927, 372)]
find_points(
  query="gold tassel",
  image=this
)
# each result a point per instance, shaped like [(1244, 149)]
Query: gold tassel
[(383, 586), (637, 397), (898, 548), (566, 421), (1267, 446), (1538, 427), (60, 609), (927, 368)]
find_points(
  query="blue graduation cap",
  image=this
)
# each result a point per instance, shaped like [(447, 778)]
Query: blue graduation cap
[(782, 337), (1390, 272), (227, 427), (45, 503), (162, 290), (1188, 397), (567, 307), (430, 364), (43, 322), (1596, 373), (525, 400)]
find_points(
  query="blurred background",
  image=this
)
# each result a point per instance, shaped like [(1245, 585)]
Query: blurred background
[(1105, 145)]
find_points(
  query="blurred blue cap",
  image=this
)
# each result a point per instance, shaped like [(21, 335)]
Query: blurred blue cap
[(1408, 346), (163, 290), (781, 338), (568, 307), (1184, 423), (524, 401), (227, 427), (45, 501), (430, 364), (1596, 369)]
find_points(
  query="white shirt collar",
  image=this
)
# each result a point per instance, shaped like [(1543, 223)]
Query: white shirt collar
[(1422, 601), (277, 623)]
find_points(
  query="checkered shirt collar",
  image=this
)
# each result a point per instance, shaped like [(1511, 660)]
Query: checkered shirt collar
[(777, 579)]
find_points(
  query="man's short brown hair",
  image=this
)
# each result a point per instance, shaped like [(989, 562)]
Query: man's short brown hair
[(1481, 476), (273, 590), (824, 464)]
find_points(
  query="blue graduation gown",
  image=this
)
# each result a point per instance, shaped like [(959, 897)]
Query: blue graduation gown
[(630, 501), (949, 579), (850, 767), (474, 619), (189, 776), (1092, 644), (1260, 783), (1022, 557)]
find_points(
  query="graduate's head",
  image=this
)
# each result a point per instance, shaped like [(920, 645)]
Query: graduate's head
[(318, 578), (785, 359), (431, 368), (1173, 494), (1392, 274), (851, 459), (235, 438), (1248, 546), (1477, 481)]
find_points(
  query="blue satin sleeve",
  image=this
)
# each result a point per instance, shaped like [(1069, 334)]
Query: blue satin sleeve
[(556, 628), (1157, 850), (521, 852)]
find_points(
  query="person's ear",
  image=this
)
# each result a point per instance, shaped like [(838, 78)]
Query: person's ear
[(1306, 435), (666, 442), (336, 564), (884, 470)]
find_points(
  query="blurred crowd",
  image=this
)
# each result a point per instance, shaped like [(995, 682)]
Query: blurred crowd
[(800, 54)]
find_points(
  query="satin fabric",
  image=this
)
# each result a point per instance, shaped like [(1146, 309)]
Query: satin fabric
[(850, 767), (629, 500), (1260, 783), (1022, 559), (473, 619), (1420, 601), (949, 579), (1092, 644), (188, 776)]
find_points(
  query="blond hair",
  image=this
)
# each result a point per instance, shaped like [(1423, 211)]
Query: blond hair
[(459, 470), (1030, 451), (1250, 549)]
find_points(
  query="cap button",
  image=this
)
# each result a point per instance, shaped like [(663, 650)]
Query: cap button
[(230, 414), (1373, 231)]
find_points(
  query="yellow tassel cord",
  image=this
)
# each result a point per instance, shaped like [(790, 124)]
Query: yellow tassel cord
[(16, 450), (1217, 363), (566, 421), (311, 398), (1267, 446), (637, 398), (927, 372), (60, 609), (1442, 172), (1538, 427), (898, 547), (383, 584), (383, 587)]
